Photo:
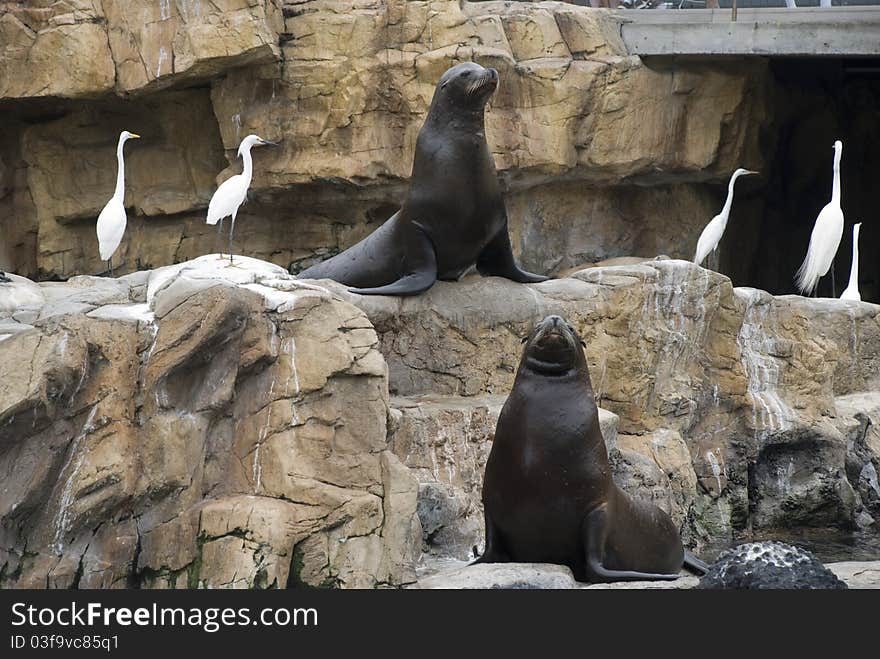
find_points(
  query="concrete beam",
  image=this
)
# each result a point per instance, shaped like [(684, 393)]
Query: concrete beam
[(813, 31)]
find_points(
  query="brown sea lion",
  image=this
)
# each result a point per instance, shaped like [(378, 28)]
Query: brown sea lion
[(454, 214), (548, 493)]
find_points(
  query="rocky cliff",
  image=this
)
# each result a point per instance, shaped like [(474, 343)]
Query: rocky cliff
[(229, 426), (193, 424), (601, 154), (200, 425)]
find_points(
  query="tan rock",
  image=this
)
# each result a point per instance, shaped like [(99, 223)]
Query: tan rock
[(346, 93), (199, 437), (54, 59), (735, 386)]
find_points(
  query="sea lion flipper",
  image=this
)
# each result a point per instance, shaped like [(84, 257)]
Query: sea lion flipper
[(494, 551), (420, 268), (497, 259), (595, 531), (694, 565)]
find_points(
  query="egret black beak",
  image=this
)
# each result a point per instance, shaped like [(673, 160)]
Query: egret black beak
[(268, 143)]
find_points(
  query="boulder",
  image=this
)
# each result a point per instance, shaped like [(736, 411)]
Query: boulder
[(769, 565), (207, 425)]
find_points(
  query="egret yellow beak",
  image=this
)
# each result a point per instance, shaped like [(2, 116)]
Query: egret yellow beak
[(133, 135)]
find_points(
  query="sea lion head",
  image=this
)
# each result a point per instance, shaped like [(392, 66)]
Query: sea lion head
[(467, 85), (553, 348)]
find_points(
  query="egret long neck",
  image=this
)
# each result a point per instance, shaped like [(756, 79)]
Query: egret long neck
[(119, 193), (835, 186), (248, 170), (854, 268), (725, 212)]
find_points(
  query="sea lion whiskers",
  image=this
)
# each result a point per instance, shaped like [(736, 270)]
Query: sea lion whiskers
[(480, 83)]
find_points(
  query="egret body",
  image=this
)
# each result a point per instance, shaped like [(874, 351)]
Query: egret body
[(233, 191), (111, 221), (826, 235), (852, 290), (711, 235)]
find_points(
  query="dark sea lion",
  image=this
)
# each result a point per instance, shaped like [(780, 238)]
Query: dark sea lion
[(454, 214), (548, 494)]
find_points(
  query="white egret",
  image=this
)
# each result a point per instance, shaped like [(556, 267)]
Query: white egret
[(233, 191), (826, 236), (711, 235), (111, 221), (852, 290)]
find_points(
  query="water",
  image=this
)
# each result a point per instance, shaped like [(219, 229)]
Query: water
[(758, 345), (64, 515)]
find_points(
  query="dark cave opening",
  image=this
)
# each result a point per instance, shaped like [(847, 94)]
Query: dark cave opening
[(812, 102)]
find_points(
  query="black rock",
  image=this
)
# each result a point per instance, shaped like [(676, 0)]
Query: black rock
[(768, 565), (3, 278)]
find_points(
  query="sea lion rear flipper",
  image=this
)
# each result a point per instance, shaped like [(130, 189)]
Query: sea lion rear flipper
[(420, 268), (595, 530), (694, 565), (497, 259)]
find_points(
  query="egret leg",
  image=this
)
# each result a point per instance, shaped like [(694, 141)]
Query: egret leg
[(833, 283), (231, 229), (110, 266), (219, 238)]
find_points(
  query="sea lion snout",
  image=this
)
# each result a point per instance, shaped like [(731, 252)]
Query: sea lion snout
[(484, 82), (553, 347)]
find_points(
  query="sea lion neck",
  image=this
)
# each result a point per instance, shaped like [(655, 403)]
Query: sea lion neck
[(546, 377), (445, 112)]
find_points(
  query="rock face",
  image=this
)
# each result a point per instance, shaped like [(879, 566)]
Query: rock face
[(589, 173), (769, 565), (198, 425), (737, 410), (82, 48), (217, 426)]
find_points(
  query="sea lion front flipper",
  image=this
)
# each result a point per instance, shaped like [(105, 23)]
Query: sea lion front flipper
[(497, 259), (494, 551), (420, 266), (595, 531)]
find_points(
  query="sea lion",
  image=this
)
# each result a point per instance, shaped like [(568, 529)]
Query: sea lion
[(548, 495), (454, 214)]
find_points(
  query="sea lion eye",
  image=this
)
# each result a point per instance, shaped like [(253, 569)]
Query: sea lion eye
[(465, 74)]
